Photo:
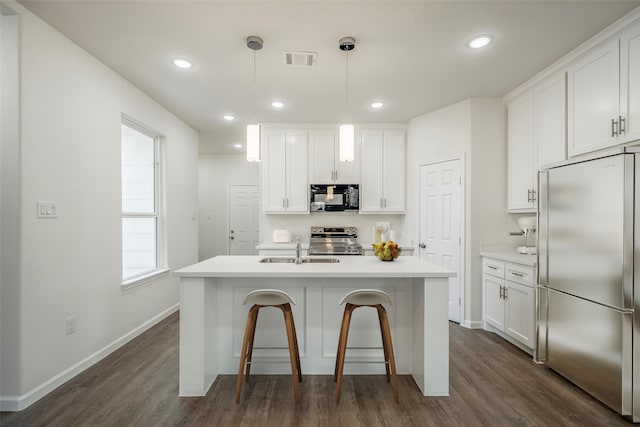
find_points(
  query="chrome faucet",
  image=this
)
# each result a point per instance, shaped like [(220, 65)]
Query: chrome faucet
[(298, 260)]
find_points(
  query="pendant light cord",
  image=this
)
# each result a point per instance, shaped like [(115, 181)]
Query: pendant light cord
[(347, 87), (254, 86)]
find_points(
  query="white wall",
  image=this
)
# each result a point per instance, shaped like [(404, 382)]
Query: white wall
[(10, 201), (71, 106), (490, 222), (476, 129), (216, 172)]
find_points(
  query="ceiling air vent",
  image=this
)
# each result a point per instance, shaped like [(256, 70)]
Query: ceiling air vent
[(300, 59)]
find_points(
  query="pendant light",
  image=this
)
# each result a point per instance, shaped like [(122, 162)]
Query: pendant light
[(253, 130), (347, 135)]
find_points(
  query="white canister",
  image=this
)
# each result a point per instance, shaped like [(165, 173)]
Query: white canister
[(392, 235), (281, 236)]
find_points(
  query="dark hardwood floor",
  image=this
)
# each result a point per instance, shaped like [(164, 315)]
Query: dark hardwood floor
[(492, 384)]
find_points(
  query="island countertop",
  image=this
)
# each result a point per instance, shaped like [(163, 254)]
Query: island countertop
[(348, 267)]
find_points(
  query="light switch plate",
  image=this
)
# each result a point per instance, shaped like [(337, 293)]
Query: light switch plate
[(47, 209)]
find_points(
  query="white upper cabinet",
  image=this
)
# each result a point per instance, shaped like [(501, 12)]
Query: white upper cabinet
[(550, 122), (536, 137), (604, 95), (520, 153), (383, 171), (325, 166), (593, 100), (284, 171), (630, 84)]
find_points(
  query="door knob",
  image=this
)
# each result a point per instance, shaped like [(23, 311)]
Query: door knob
[(231, 237), (423, 246)]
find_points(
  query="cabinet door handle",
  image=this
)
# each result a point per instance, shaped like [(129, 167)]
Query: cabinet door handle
[(515, 273), (533, 195), (622, 125), (614, 130), (381, 203), (336, 175), (501, 290), (504, 293), (492, 267), (529, 195)]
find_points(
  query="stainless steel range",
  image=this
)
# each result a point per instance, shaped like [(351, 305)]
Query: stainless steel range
[(334, 241)]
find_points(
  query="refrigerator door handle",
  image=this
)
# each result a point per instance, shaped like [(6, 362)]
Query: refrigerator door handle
[(543, 228)]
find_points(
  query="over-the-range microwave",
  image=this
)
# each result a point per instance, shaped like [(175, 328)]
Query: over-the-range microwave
[(334, 198)]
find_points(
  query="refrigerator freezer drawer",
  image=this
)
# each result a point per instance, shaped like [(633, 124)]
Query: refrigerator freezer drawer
[(591, 345)]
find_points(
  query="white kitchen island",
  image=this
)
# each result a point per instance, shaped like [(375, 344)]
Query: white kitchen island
[(212, 318)]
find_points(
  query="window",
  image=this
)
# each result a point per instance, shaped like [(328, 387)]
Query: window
[(140, 204)]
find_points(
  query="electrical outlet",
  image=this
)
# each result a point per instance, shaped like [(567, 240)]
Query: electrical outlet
[(71, 325)]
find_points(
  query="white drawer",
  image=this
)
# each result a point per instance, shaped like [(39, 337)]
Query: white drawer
[(522, 274), (493, 267)]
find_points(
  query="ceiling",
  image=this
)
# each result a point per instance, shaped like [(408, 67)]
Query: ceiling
[(411, 55)]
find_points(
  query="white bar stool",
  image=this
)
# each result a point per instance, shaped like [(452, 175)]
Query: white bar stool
[(269, 298), (366, 298)]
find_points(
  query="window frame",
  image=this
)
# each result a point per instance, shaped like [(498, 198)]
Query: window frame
[(158, 213)]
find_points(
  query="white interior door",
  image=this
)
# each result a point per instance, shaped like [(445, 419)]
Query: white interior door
[(243, 219), (441, 223)]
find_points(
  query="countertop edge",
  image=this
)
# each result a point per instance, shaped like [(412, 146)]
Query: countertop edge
[(530, 260), (348, 267)]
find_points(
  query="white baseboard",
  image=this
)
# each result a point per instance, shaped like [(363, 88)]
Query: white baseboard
[(18, 403), (473, 324)]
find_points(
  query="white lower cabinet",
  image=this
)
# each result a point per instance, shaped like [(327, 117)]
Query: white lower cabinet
[(509, 299)]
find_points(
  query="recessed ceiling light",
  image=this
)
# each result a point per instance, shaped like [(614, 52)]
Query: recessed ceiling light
[(480, 41), (237, 146), (377, 104), (277, 104), (228, 117), (181, 63)]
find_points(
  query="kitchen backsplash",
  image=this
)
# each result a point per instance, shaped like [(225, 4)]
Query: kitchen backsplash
[(300, 225)]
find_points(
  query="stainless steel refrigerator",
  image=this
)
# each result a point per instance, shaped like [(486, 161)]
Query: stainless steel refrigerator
[(588, 294)]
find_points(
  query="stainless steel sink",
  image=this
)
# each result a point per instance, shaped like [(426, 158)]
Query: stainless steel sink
[(278, 260), (320, 260), (283, 260)]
